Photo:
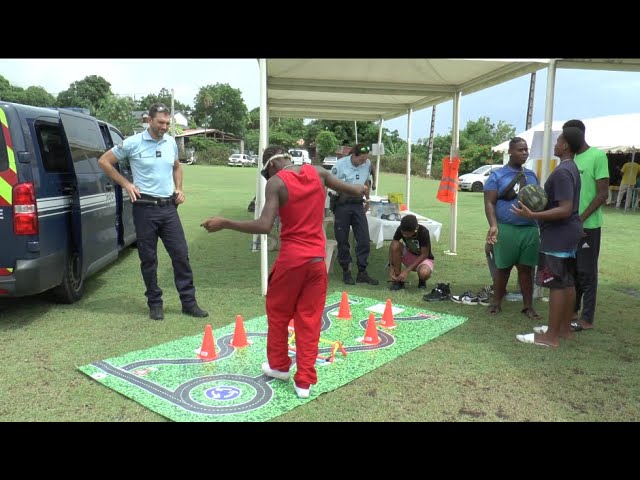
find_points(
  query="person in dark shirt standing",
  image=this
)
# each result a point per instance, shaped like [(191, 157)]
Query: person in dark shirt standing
[(415, 255), (560, 233)]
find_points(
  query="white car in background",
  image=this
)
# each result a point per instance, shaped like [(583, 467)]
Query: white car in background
[(299, 156), (241, 160), (474, 181), (329, 162)]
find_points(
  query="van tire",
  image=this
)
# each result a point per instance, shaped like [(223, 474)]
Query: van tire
[(72, 287)]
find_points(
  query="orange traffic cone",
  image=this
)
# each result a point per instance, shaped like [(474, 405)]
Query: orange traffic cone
[(239, 334), (345, 310), (387, 316), (371, 334), (208, 348)]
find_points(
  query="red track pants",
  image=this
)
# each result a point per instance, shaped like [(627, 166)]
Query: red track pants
[(297, 293)]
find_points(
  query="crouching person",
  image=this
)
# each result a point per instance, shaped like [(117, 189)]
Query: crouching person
[(411, 248)]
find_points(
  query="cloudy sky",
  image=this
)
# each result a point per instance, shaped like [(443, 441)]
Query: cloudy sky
[(579, 93)]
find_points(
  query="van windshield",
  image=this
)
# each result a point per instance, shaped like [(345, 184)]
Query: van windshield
[(295, 153), (4, 157)]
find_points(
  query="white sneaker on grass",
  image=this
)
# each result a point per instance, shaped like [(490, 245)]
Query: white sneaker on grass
[(270, 372), (302, 392)]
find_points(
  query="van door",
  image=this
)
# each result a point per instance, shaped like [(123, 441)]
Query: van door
[(95, 190), (124, 207)]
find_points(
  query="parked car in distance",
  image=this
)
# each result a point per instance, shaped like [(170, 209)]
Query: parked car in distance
[(299, 156), (474, 181), (241, 160), (329, 162)]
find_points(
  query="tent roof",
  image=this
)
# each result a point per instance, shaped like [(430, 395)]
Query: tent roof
[(610, 133), (370, 89)]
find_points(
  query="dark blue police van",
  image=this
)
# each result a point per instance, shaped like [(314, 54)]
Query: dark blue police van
[(61, 218)]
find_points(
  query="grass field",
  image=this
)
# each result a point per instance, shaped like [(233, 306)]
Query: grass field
[(476, 372)]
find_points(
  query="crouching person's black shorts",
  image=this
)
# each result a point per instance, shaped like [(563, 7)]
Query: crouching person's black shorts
[(555, 272)]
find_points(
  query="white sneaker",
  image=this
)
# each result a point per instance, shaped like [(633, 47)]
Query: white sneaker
[(302, 392), (270, 372), (541, 329)]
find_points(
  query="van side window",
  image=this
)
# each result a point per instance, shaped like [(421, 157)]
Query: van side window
[(116, 137), (52, 150), (4, 157), (86, 143)]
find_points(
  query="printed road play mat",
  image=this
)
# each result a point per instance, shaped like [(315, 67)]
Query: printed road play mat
[(173, 380)]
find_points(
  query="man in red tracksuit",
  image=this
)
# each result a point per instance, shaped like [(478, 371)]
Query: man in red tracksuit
[(298, 279)]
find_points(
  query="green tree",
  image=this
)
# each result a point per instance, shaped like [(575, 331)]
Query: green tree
[(89, 93), (220, 106), (8, 92), (164, 96), (252, 140), (476, 140), (326, 143), (118, 111), (253, 119), (38, 97)]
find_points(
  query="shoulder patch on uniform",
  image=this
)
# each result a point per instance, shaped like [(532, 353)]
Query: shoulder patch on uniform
[(120, 145)]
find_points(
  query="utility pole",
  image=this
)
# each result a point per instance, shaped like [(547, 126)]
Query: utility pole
[(431, 134), (532, 90)]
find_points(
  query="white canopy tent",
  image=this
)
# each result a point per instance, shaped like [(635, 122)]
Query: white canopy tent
[(611, 133), (383, 89)]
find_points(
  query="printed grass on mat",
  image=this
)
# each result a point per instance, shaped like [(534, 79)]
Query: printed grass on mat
[(172, 381)]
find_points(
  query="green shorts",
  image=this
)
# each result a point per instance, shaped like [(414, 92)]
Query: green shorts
[(516, 245)]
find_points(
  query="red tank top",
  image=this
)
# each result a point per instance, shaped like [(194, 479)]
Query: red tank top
[(301, 231)]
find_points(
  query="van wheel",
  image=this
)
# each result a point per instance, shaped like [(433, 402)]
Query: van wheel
[(476, 187), (72, 287)]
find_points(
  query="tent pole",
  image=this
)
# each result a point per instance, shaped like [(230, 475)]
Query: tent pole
[(377, 182), (264, 140), (548, 121), (455, 151), (407, 199)]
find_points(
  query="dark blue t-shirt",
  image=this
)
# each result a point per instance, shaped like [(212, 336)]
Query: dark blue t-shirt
[(499, 180), (562, 235)]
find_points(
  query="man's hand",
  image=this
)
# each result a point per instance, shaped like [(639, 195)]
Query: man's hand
[(133, 191), (213, 224), (523, 211), (492, 235), (403, 276), (178, 195)]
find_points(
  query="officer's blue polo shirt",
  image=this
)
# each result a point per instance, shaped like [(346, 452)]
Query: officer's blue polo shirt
[(347, 172), (151, 162)]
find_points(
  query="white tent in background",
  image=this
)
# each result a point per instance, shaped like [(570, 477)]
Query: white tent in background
[(611, 133)]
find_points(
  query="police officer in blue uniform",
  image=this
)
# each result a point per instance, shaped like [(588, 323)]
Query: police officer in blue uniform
[(350, 212), (156, 194)]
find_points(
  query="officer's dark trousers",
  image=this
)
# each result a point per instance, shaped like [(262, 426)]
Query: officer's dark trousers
[(587, 277), (352, 215), (151, 222)]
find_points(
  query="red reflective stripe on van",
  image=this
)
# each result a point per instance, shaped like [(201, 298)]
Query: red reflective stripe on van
[(5, 271), (9, 177)]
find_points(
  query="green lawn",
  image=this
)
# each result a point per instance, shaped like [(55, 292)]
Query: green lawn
[(477, 371)]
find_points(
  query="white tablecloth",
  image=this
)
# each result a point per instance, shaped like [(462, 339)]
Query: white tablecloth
[(381, 230)]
